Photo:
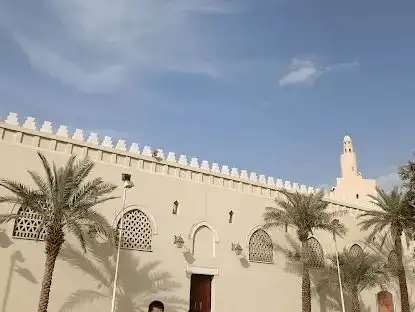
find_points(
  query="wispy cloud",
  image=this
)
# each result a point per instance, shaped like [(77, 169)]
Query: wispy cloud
[(94, 45), (306, 72), (388, 181)]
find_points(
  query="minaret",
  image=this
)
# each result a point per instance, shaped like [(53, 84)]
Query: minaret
[(348, 159)]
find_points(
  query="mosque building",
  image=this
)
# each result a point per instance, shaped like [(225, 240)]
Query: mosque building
[(192, 237)]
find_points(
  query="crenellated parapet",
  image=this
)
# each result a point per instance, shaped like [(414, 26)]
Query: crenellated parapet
[(105, 149)]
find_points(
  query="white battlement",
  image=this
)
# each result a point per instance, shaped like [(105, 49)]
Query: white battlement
[(193, 163)]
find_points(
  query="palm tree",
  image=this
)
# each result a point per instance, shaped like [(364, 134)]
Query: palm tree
[(305, 213), (359, 271), (407, 175), (393, 217), (65, 200)]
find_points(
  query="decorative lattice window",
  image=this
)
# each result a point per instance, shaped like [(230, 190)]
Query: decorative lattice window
[(27, 225), (137, 233), (356, 251), (313, 254), (260, 247)]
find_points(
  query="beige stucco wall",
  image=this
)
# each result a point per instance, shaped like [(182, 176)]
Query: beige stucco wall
[(205, 195)]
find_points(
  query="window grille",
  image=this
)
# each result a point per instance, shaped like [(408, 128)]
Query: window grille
[(313, 253), (356, 251), (26, 226), (260, 247), (137, 233)]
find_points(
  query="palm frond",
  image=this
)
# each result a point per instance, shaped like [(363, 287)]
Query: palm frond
[(358, 272), (64, 198), (393, 216), (82, 169), (40, 182), (77, 259), (305, 212), (5, 218), (76, 229), (49, 174), (17, 188), (93, 221), (15, 200)]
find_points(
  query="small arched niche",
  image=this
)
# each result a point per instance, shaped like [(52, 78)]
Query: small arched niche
[(204, 238)]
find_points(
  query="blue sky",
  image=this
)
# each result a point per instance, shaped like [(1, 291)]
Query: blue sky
[(267, 86)]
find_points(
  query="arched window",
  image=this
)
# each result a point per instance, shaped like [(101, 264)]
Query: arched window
[(137, 231), (356, 251), (260, 247), (27, 225), (313, 253)]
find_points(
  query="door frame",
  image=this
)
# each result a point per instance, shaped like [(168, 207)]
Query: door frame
[(214, 272)]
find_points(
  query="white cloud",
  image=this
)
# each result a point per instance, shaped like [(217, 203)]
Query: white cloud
[(387, 182), (93, 45), (70, 73), (306, 72)]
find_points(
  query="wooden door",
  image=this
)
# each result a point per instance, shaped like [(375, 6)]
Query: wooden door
[(200, 293)]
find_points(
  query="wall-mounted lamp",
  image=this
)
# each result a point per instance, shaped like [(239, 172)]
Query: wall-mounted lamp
[(178, 241), (175, 207), (294, 256), (126, 178), (236, 248), (230, 216)]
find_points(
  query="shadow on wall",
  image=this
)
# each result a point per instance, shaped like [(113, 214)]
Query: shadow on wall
[(138, 284), (5, 241), (408, 262), (329, 299), (16, 259)]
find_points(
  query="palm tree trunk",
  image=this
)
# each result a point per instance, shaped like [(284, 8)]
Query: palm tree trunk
[(53, 245), (306, 289), (355, 301), (403, 288)]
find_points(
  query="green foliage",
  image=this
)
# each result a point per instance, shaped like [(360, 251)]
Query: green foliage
[(359, 271), (64, 198), (304, 212), (407, 175), (394, 216)]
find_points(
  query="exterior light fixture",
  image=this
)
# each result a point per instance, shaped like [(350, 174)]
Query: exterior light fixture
[(126, 178), (236, 248), (231, 213), (178, 241), (175, 207)]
